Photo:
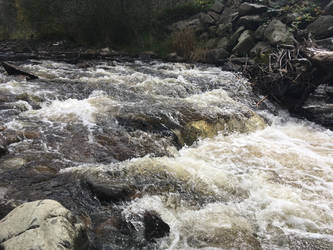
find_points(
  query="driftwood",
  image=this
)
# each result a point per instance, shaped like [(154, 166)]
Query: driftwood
[(14, 70)]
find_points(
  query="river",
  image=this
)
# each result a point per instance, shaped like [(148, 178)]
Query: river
[(190, 142)]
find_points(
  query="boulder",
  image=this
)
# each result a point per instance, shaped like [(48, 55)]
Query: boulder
[(44, 224), (215, 55), (224, 29), (319, 106), (329, 8), (234, 38), (109, 190), (322, 27), (206, 19), (250, 22), (251, 9), (245, 43), (277, 33), (259, 34), (217, 7), (155, 227)]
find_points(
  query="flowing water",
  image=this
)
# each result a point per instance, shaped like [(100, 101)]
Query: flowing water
[(189, 140)]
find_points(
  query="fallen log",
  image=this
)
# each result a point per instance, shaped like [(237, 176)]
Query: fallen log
[(14, 70)]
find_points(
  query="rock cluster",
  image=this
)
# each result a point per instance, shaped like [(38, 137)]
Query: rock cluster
[(44, 224), (240, 35)]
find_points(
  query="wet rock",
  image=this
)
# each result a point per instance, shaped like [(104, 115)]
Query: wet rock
[(14, 70), (251, 9), (206, 129), (319, 106), (277, 33), (245, 43), (322, 27), (44, 224), (217, 7), (155, 227), (110, 191)]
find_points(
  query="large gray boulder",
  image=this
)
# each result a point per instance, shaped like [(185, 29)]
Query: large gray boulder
[(251, 9), (277, 33), (44, 224), (322, 27), (245, 43)]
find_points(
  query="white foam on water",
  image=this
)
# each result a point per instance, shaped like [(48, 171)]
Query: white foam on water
[(73, 110), (283, 176)]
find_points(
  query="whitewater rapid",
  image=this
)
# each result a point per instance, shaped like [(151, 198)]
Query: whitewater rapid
[(270, 187)]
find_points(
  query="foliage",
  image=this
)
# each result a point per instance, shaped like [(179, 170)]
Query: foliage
[(183, 42), (306, 12)]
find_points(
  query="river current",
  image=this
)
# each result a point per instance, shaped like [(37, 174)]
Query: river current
[(224, 169)]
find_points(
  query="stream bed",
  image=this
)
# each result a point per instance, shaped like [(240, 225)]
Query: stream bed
[(191, 144)]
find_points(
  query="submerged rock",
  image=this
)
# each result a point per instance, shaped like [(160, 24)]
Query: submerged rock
[(155, 227), (208, 129), (44, 224)]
